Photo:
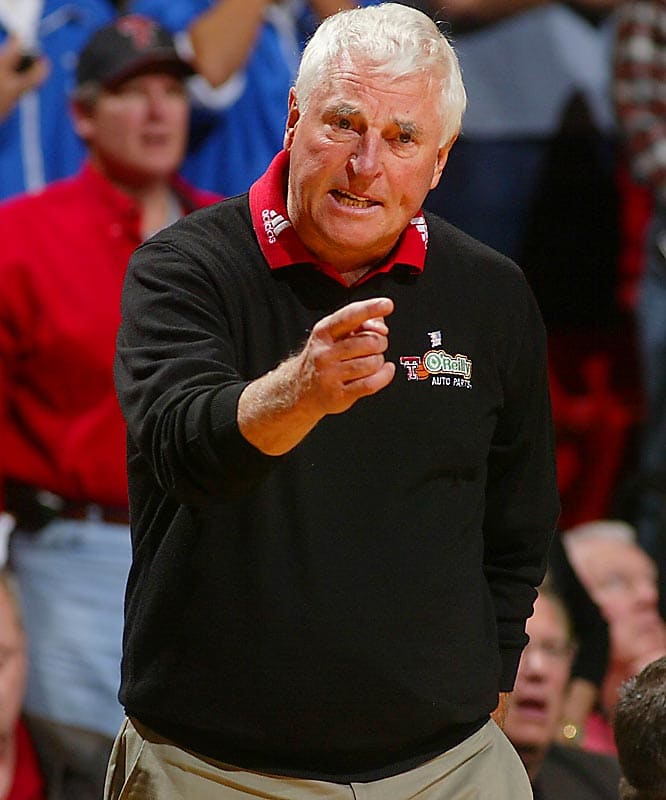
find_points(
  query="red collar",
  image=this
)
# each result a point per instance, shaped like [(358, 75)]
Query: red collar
[(120, 202), (281, 246)]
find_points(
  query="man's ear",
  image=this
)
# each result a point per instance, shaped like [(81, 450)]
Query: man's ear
[(82, 119), (292, 118), (440, 162)]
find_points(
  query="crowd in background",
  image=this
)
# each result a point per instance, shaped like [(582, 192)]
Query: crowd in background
[(561, 165)]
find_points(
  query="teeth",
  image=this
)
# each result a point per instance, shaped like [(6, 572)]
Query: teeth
[(348, 199)]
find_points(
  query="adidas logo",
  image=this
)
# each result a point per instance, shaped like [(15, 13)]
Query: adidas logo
[(420, 224), (274, 224)]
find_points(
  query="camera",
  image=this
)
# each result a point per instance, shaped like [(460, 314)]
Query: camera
[(26, 61)]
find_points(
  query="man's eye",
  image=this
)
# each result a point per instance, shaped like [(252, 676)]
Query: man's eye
[(345, 124), (404, 138)]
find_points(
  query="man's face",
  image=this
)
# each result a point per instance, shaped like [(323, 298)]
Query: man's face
[(622, 579), (364, 154), (12, 665), (536, 702), (137, 133)]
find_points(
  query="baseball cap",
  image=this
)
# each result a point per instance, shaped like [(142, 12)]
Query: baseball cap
[(128, 46)]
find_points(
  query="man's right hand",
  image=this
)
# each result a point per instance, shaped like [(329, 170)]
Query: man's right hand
[(342, 361), (13, 83)]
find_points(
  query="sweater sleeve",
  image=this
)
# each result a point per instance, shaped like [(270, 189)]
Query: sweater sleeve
[(178, 380), (522, 504)]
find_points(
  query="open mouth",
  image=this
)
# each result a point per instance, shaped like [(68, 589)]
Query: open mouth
[(532, 707), (352, 200)]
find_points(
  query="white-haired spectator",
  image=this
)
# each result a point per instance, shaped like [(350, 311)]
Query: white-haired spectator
[(622, 580)]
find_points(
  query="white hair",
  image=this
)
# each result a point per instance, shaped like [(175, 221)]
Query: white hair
[(392, 40), (615, 530)]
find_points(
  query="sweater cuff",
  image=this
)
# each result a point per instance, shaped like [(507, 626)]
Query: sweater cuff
[(243, 463), (510, 661)]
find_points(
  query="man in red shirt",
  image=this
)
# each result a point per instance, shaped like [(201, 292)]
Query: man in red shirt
[(62, 463)]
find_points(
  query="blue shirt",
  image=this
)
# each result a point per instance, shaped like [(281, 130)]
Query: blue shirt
[(236, 130), (38, 143)]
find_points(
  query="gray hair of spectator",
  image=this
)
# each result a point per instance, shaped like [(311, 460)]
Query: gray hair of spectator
[(388, 39), (609, 529), (639, 724)]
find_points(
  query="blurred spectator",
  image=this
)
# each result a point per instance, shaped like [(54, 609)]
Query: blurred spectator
[(20, 778), (590, 631), (535, 712), (62, 263), (533, 173), (38, 143), (246, 52), (640, 733), (641, 107), (622, 580)]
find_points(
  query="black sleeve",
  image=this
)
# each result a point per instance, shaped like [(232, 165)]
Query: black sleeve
[(522, 503), (178, 381)]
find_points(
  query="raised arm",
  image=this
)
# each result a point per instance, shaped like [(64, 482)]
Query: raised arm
[(13, 83), (223, 37)]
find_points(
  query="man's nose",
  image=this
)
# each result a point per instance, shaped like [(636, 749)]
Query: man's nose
[(157, 102), (365, 161), (533, 660)]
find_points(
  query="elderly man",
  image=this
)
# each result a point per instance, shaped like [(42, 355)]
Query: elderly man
[(337, 527), (622, 580), (63, 257), (535, 712)]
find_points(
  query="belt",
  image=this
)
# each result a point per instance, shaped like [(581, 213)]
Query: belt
[(34, 508), (118, 515)]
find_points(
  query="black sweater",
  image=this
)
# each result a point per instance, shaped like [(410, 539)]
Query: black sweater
[(351, 608)]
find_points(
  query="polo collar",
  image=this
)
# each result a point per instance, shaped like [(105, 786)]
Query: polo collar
[(281, 246)]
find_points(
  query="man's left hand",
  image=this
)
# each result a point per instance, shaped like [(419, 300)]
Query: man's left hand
[(499, 714)]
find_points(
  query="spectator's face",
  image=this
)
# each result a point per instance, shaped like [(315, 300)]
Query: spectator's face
[(364, 154), (12, 665), (622, 579), (535, 708), (137, 133)]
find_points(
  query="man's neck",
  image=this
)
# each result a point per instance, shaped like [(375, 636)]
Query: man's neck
[(155, 197), (156, 203), (352, 275)]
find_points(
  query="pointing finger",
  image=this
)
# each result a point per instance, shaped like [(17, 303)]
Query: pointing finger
[(351, 317)]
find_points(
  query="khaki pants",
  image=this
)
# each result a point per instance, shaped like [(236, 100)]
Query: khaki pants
[(145, 766)]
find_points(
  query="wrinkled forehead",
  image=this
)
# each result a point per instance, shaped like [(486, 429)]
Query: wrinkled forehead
[(414, 97)]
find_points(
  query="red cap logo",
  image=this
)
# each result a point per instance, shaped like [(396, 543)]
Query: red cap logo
[(139, 29)]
